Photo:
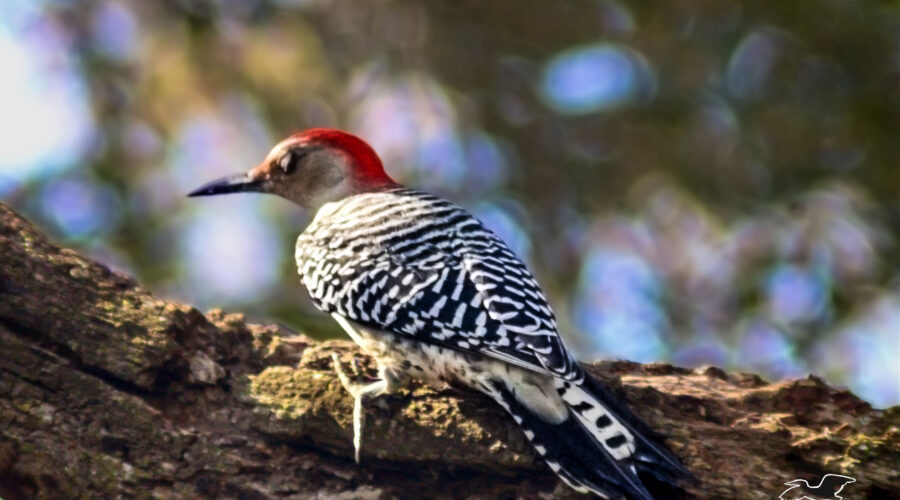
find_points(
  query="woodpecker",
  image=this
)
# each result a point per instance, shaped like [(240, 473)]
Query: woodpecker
[(432, 294)]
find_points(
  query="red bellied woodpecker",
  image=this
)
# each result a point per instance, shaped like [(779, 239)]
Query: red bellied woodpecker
[(432, 294)]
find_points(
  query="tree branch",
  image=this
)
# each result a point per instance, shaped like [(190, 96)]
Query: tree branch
[(106, 391)]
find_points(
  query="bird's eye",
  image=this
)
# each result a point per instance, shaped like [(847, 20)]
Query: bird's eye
[(288, 161)]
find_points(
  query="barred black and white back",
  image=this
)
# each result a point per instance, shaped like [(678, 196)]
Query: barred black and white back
[(426, 281)]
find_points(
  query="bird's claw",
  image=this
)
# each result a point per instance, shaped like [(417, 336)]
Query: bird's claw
[(359, 392), (357, 367), (349, 385)]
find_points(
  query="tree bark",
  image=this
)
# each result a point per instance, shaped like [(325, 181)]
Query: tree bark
[(108, 392)]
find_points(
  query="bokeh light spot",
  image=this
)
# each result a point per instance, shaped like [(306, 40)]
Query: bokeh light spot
[(46, 120), (80, 207), (751, 63), (485, 161), (617, 306), (866, 351), (763, 347), (596, 78), (795, 294), (232, 253), (115, 31)]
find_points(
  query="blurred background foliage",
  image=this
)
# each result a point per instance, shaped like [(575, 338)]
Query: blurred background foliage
[(695, 182)]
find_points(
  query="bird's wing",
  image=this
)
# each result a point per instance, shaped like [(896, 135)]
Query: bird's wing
[(834, 483), (785, 494), (513, 299), (475, 297)]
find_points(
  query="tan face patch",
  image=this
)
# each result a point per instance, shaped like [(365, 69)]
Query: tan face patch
[(263, 171)]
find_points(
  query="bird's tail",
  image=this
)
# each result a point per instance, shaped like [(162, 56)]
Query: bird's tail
[(601, 448)]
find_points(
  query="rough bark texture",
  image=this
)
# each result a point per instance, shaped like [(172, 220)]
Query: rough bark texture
[(106, 391)]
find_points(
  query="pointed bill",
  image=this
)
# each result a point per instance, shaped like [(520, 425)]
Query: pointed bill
[(239, 183)]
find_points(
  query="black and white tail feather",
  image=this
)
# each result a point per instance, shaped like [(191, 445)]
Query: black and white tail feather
[(602, 448)]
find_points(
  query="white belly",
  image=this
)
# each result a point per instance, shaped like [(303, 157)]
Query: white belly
[(403, 358)]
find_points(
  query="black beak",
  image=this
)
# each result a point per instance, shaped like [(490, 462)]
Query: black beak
[(239, 183)]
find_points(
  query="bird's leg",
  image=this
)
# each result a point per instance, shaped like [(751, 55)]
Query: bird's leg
[(387, 383)]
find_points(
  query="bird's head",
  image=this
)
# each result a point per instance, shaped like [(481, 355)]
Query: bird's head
[(310, 168)]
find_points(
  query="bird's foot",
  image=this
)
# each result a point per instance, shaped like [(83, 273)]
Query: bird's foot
[(357, 367), (360, 392)]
